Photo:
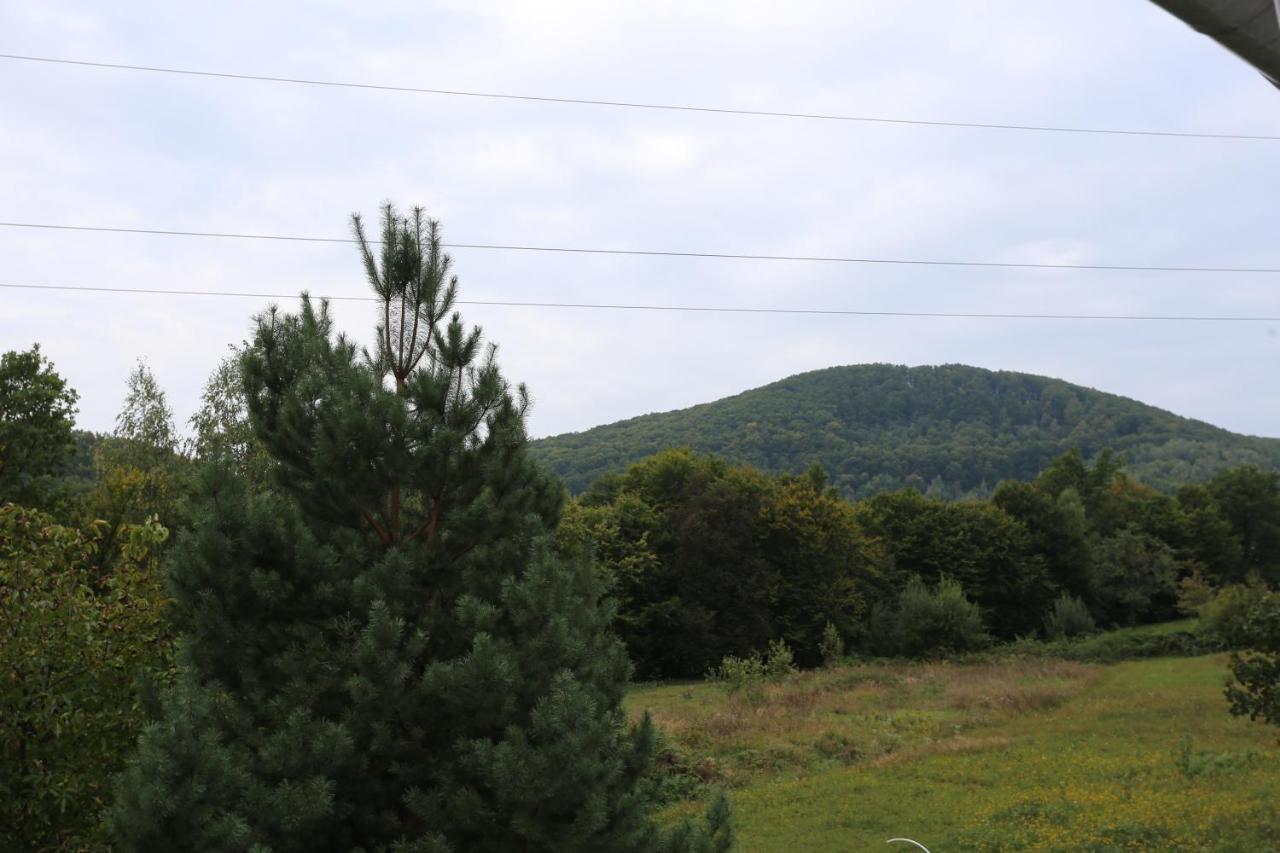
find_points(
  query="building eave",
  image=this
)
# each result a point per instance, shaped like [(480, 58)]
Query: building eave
[(1248, 28)]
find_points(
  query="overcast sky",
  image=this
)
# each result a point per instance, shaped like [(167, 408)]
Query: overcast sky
[(115, 148)]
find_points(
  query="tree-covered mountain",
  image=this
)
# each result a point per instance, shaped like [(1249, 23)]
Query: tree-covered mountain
[(952, 431)]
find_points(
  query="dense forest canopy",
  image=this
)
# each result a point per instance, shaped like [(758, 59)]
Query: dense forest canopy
[(951, 431)]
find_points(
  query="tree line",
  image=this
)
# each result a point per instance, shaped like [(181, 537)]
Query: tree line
[(709, 559)]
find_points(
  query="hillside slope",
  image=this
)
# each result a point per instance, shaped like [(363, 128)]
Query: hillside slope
[(952, 430)]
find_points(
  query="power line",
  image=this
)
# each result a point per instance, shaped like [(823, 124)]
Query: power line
[(638, 105), (718, 309), (578, 250)]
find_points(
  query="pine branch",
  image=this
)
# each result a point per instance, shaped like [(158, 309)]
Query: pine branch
[(378, 528)]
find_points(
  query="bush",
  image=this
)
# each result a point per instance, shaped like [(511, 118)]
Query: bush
[(1150, 641), (1068, 618), (1255, 692), (1225, 616), (929, 622), (780, 662), (751, 672), (832, 646), (737, 674), (1194, 592)]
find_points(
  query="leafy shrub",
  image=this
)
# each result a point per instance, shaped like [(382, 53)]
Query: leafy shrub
[(780, 662), (832, 646), (1068, 618), (71, 649), (1256, 689), (736, 674), (1225, 616), (1122, 644), (929, 622), (1194, 592), (751, 672)]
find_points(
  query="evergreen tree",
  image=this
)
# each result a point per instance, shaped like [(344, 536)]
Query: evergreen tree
[(385, 653)]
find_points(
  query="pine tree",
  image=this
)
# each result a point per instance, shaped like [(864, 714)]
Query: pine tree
[(384, 653)]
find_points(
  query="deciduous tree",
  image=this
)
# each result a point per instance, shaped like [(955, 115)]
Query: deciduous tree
[(37, 412), (72, 646)]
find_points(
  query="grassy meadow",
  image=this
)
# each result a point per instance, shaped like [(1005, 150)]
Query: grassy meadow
[(1015, 753)]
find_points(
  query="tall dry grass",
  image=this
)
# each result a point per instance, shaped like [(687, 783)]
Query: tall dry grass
[(864, 713)]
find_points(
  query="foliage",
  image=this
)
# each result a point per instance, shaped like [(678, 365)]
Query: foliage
[(1205, 537), (385, 651), (924, 622), (1248, 499), (37, 410), (1057, 528), (955, 431), (1256, 689), (138, 473), (705, 589), (1194, 592), (1227, 615), (145, 420), (76, 476), (779, 662), (832, 646), (709, 560), (1132, 578), (1098, 486), (71, 647), (979, 545), (1068, 618), (221, 424), (1169, 639), (739, 673), (828, 570)]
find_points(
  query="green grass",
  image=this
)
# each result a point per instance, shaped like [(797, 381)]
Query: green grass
[(1019, 754)]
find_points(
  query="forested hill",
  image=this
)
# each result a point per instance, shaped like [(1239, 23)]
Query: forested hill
[(953, 431)]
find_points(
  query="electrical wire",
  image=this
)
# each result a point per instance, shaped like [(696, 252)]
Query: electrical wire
[(716, 309), (190, 72), (578, 250)]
